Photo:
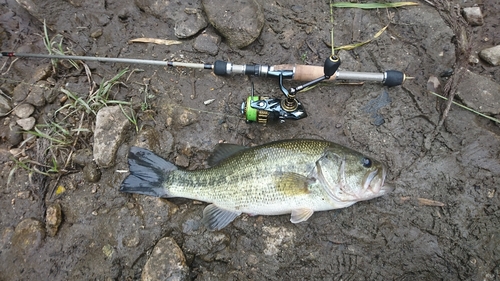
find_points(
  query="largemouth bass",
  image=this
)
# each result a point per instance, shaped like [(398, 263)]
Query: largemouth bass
[(297, 177)]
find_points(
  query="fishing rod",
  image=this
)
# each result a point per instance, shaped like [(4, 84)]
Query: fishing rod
[(259, 109)]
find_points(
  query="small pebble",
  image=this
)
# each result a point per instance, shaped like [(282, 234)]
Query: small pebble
[(4, 105), (96, 34), (26, 123), (24, 110), (91, 172), (207, 102), (16, 152), (473, 16), (491, 55), (181, 161), (28, 235), (53, 219)]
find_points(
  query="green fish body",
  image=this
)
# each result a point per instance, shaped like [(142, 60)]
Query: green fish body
[(296, 177)]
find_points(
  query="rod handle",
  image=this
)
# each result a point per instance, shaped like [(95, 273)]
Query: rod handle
[(310, 72)]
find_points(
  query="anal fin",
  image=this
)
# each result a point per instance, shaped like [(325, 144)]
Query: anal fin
[(215, 218)]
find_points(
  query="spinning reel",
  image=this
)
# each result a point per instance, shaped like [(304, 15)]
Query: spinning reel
[(263, 109)]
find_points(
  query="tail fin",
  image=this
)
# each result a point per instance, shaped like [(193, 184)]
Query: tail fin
[(147, 173)]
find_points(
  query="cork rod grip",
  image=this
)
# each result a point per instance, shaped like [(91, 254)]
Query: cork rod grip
[(303, 72)]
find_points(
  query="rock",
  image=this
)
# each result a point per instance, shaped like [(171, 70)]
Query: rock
[(24, 110), (473, 16), (240, 22), (110, 128), (96, 34), (91, 172), (182, 161), (50, 95), (167, 262), (479, 93), (20, 92), (36, 96), (5, 107), (207, 43), (15, 135), (41, 73), (491, 55), (148, 138), (53, 219), (28, 235), (166, 10), (433, 84), (26, 123), (192, 24), (82, 157)]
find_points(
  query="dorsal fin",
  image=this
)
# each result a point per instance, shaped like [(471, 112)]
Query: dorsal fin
[(223, 151)]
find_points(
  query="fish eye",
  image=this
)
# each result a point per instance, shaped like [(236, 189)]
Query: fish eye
[(367, 163)]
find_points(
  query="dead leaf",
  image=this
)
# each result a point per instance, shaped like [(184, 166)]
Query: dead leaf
[(155, 41)]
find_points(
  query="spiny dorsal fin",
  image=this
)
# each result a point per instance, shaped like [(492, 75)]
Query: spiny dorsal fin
[(223, 151)]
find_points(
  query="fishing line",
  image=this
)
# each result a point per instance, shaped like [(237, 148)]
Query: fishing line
[(331, 31)]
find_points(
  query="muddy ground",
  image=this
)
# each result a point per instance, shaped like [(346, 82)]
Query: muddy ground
[(441, 222)]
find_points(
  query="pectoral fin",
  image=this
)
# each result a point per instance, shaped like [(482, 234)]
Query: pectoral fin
[(215, 218), (292, 183), (301, 215)]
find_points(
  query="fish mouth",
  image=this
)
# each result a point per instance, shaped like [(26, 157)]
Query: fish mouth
[(374, 182)]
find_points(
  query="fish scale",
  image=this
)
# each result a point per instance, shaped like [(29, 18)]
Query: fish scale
[(293, 176)]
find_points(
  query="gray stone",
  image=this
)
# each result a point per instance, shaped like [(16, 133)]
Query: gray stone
[(28, 235), (36, 96), (491, 55), (82, 157), (24, 110), (167, 262), (148, 138), (479, 93), (207, 43), (5, 107), (473, 16), (91, 172), (192, 24), (166, 10), (26, 123), (50, 95), (110, 128), (42, 72), (182, 161), (240, 22), (15, 135), (20, 92)]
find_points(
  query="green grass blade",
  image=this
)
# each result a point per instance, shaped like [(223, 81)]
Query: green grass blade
[(353, 46), (467, 108)]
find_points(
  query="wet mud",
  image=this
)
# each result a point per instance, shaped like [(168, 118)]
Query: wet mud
[(440, 223)]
